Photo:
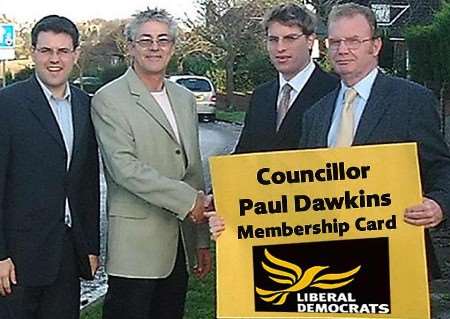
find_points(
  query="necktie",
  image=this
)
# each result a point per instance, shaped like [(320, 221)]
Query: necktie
[(344, 135), (283, 106)]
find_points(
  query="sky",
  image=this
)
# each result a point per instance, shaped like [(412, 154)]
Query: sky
[(80, 10)]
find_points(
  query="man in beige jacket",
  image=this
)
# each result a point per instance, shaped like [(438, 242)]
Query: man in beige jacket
[(148, 135)]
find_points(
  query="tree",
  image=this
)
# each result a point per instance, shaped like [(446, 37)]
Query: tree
[(430, 54), (430, 49), (102, 44), (89, 37), (191, 49), (23, 74), (321, 8), (442, 25), (227, 25), (233, 30), (253, 65), (112, 72)]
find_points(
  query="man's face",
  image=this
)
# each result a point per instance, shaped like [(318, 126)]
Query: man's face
[(352, 50), (54, 57), (152, 48), (288, 48)]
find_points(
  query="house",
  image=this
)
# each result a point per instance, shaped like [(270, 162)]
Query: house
[(393, 16)]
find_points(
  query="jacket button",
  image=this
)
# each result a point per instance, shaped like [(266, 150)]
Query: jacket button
[(178, 152)]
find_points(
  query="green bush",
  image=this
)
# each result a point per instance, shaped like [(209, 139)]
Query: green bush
[(112, 72), (23, 74), (429, 48)]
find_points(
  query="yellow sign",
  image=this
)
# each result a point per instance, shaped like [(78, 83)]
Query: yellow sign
[(320, 234)]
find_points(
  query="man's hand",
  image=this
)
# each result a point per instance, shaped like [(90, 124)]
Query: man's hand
[(428, 214), (7, 276), (196, 214), (209, 204), (203, 263), (95, 263), (216, 224)]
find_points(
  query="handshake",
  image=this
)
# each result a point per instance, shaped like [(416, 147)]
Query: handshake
[(204, 203)]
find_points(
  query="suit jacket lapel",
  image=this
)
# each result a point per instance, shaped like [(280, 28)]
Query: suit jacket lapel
[(325, 116), (39, 106), (308, 94), (180, 112), (374, 109), (145, 100), (79, 116), (298, 107), (270, 102)]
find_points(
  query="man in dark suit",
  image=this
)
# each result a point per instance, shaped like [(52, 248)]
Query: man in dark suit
[(273, 122), (370, 107), (49, 183), (274, 118)]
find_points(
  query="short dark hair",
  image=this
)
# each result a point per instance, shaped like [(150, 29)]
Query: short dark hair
[(56, 24), (291, 14), (348, 10)]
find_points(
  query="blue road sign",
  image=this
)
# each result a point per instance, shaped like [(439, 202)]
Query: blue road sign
[(7, 36)]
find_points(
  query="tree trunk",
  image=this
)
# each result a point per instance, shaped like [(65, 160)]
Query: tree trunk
[(229, 73)]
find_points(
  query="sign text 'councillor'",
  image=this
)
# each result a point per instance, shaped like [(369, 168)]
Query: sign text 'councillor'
[(299, 203)]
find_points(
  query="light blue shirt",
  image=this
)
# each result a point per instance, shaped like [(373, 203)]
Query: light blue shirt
[(363, 88), (62, 110)]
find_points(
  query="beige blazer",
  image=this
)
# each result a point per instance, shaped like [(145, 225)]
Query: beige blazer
[(152, 179)]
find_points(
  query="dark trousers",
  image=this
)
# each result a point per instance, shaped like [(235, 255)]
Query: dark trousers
[(148, 298), (59, 300)]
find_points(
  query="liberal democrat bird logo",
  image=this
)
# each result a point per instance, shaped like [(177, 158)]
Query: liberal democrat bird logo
[(286, 273)]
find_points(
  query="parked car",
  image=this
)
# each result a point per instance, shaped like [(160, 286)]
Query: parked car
[(90, 83), (204, 92)]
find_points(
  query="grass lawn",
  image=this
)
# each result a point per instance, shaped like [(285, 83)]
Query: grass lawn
[(200, 299), (228, 116), (93, 312)]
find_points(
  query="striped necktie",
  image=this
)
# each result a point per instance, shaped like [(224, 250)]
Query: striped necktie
[(283, 106), (344, 135)]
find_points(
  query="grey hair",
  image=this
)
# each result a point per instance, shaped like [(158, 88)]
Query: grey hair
[(348, 10), (159, 15), (291, 14)]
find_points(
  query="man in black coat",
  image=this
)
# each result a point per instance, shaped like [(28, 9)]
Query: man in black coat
[(273, 122), (384, 109), (49, 183)]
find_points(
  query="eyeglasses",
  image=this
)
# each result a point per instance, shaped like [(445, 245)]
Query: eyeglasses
[(350, 43), (288, 39), (162, 42), (48, 52)]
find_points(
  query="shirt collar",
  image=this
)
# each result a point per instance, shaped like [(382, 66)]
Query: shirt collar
[(364, 86), (49, 95), (300, 79)]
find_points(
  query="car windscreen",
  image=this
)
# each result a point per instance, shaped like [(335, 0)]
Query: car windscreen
[(195, 85)]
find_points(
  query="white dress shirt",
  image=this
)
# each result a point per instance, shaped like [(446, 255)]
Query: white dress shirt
[(62, 111)]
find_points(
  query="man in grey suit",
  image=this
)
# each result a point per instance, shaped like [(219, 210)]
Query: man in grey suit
[(370, 107), (147, 131)]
